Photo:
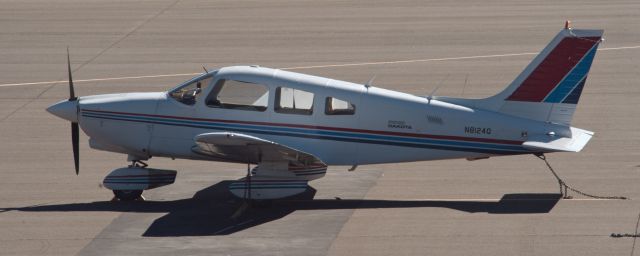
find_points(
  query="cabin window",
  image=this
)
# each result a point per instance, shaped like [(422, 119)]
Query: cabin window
[(334, 106), (233, 94), (293, 101), (190, 93)]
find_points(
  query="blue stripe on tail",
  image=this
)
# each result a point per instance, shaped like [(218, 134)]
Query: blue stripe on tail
[(574, 96), (573, 83)]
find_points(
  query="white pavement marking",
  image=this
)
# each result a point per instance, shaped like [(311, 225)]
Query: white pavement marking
[(310, 67), (410, 61), (101, 79), (495, 200), (507, 199), (619, 48)]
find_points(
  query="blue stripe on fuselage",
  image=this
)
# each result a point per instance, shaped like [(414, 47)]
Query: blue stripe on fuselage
[(320, 134)]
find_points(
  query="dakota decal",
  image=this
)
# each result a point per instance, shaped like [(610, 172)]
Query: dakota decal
[(398, 125)]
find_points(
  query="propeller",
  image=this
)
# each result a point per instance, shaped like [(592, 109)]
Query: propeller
[(75, 130)]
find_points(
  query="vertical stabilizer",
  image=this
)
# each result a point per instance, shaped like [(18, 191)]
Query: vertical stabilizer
[(549, 88)]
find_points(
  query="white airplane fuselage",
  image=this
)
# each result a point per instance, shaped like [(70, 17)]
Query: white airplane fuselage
[(293, 125), (387, 126)]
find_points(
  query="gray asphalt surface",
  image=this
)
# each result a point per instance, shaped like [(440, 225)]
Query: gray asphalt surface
[(499, 206)]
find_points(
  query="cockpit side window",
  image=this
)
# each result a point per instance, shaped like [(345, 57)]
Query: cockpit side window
[(190, 93), (334, 106), (293, 101), (233, 94)]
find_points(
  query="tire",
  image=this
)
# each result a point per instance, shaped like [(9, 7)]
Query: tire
[(127, 195), (262, 203)]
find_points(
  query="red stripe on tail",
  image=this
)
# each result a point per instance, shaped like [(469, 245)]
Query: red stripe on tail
[(553, 68)]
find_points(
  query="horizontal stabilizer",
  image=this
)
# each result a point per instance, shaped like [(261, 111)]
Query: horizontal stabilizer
[(546, 143)]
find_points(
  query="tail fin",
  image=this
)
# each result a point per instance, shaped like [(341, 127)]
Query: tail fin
[(550, 86)]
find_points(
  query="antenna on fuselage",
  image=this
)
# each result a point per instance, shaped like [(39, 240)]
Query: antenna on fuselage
[(205, 69), (430, 97), (431, 94), (370, 82), (466, 78)]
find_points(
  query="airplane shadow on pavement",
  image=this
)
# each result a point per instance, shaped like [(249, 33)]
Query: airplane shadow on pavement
[(214, 211)]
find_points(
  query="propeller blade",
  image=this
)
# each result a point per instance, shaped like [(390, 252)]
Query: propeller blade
[(75, 138), (72, 94)]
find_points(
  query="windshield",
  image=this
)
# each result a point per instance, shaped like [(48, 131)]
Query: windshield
[(190, 92)]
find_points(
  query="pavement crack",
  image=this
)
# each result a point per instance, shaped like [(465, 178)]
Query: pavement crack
[(633, 247), (122, 38), (373, 184)]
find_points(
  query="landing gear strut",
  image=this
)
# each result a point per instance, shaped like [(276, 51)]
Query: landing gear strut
[(138, 163)]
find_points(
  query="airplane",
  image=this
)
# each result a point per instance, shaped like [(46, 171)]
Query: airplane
[(292, 126)]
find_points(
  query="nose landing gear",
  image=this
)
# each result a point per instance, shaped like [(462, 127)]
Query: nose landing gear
[(129, 182), (127, 195)]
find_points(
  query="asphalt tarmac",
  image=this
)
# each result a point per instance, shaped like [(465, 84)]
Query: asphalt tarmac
[(498, 206)]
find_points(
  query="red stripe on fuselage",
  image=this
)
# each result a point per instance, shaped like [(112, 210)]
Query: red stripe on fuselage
[(141, 175), (553, 68), (297, 168), (415, 135)]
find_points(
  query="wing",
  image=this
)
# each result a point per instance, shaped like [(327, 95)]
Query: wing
[(244, 148)]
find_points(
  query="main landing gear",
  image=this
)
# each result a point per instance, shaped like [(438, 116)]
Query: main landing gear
[(129, 182)]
